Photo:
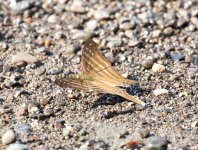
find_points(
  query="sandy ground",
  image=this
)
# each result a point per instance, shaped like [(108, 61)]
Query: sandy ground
[(154, 42)]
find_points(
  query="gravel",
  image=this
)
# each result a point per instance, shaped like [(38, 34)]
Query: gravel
[(153, 42)]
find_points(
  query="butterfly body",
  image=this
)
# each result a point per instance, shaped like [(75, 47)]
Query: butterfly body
[(98, 75)]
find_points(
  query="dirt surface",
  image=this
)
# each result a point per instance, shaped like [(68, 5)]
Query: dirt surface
[(152, 41)]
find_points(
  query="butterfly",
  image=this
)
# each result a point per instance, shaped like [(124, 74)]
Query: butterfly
[(98, 75)]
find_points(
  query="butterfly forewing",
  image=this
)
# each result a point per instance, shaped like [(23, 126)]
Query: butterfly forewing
[(92, 59), (94, 64)]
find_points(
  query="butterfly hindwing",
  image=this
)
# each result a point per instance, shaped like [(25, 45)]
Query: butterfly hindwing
[(71, 82), (77, 83), (115, 90)]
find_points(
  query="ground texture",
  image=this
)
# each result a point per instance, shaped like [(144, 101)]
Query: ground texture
[(152, 41)]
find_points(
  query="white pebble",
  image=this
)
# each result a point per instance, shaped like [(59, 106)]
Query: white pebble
[(158, 68), (23, 57), (17, 146), (82, 35), (160, 91), (101, 14), (52, 19), (91, 25), (8, 137), (194, 124), (77, 7)]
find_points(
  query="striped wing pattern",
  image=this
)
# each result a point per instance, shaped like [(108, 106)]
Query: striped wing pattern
[(115, 90), (92, 59), (98, 75), (96, 65), (77, 83)]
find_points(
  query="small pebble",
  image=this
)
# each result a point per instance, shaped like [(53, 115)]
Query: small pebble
[(194, 124), (129, 34), (48, 112), (44, 101), (72, 48), (23, 57), (114, 42), (18, 6), (133, 42), (101, 14), (126, 26), (156, 33), (20, 128), (144, 133), (177, 57), (3, 46), (68, 132), (70, 96), (8, 137), (33, 109), (17, 146), (156, 143), (82, 35), (194, 21), (77, 7), (188, 58), (59, 124), (91, 25), (168, 31), (148, 63), (47, 42), (52, 19), (194, 147), (158, 68), (158, 92), (54, 71), (59, 35)]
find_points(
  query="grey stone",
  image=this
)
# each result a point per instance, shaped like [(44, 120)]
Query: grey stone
[(144, 133), (156, 143), (20, 128), (177, 57), (148, 63)]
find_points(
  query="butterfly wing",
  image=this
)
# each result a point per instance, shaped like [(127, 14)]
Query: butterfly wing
[(92, 59), (104, 88), (70, 82), (96, 65), (77, 83)]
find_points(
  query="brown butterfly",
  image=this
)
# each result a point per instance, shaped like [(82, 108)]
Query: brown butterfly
[(98, 75)]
